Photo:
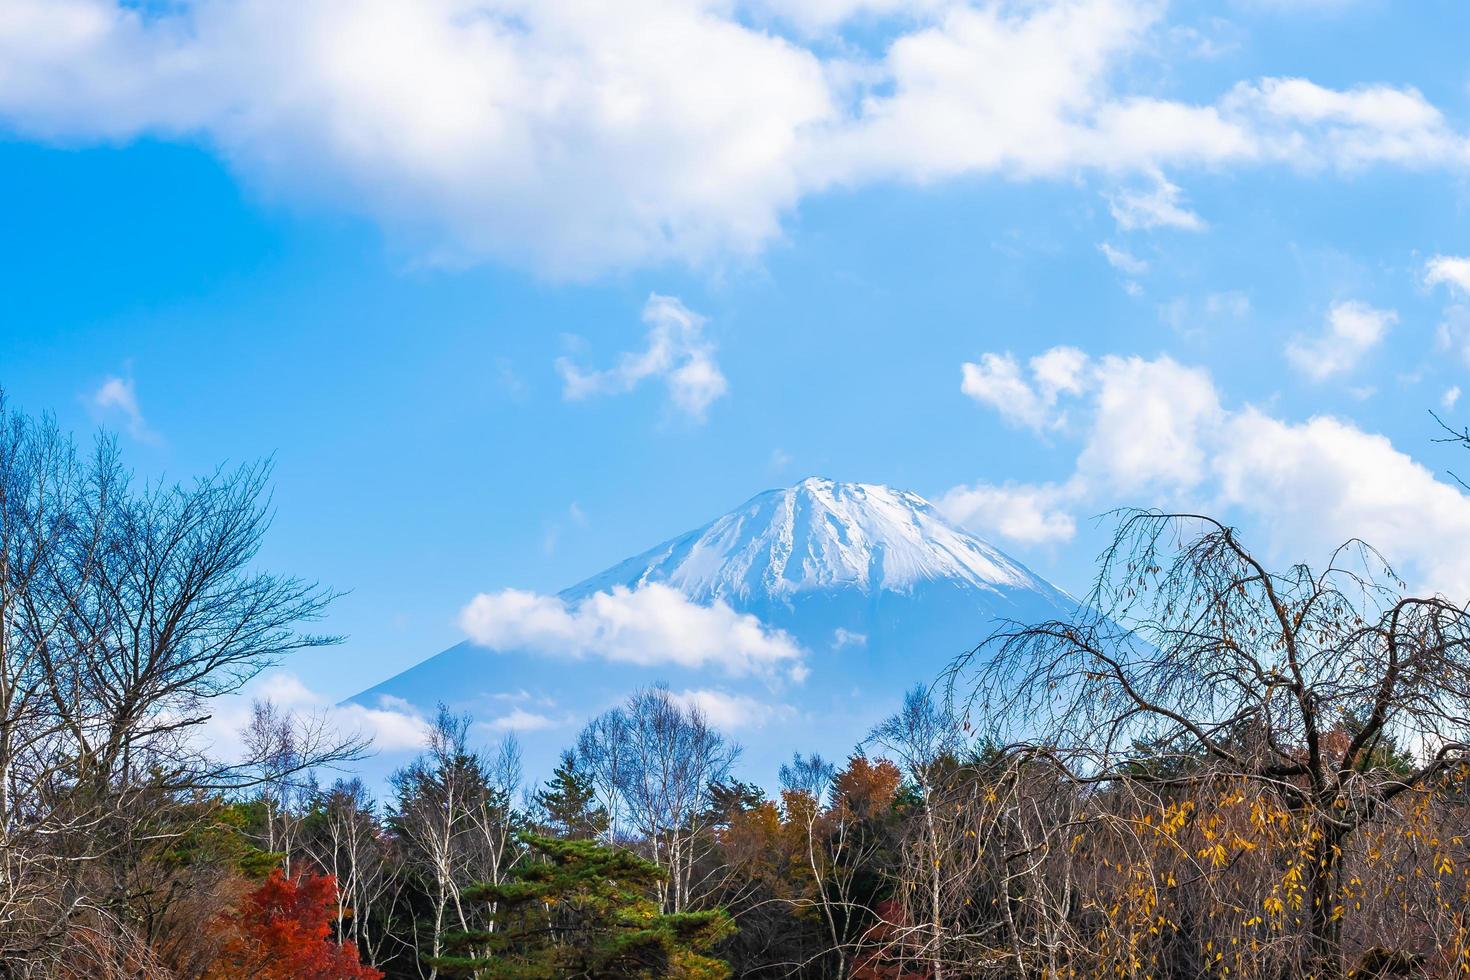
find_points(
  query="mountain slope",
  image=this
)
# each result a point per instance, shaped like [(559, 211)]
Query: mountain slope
[(819, 536), (879, 590)]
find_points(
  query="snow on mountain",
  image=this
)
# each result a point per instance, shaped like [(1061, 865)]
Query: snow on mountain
[(818, 536), (876, 587)]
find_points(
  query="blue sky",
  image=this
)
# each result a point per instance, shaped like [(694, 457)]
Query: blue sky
[(415, 253)]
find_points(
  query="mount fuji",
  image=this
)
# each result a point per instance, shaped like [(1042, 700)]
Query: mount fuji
[(862, 591)]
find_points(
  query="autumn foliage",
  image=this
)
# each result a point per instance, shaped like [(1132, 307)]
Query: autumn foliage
[(876, 959), (283, 932), (1209, 769)]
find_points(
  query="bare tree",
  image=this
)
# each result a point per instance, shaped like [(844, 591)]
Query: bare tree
[(603, 750), (270, 741), (656, 760), (495, 819), (356, 850), (455, 817), (924, 738), (1195, 665), (844, 820), (125, 611), (806, 784)]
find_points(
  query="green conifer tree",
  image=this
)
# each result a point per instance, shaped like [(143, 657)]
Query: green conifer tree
[(570, 803), (579, 911)]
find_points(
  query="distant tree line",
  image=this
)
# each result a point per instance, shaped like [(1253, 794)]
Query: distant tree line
[(1213, 769)]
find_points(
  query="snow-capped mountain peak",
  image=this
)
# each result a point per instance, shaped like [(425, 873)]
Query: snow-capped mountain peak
[(872, 587), (819, 535)]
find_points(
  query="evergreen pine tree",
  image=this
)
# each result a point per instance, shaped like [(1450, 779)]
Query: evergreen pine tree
[(728, 799), (570, 803), (579, 911)]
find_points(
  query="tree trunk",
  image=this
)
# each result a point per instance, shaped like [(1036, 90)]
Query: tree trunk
[(936, 926), (1324, 946)]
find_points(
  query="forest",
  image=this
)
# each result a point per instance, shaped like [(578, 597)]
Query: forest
[(1216, 768)]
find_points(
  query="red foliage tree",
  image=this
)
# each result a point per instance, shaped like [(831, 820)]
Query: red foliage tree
[(881, 961), (283, 932)]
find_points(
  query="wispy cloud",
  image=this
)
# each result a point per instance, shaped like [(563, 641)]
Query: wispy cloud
[(1160, 205), (1352, 330), (552, 536), (1195, 315), (677, 353), (117, 398), (733, 712), (1122, 260), (521, 720)]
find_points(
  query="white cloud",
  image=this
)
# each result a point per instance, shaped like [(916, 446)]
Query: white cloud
[(1156, 434), (1148, 419), (574, 138), (988, 89), (651, 625), (1158, 206), (1450, 397), (732, 712), (1306, 125), (567, 136), (118, 396), (1314, 484), (997, 381), (521, 720), (1029, 514), (1453, 332), (1058, 371), (1450, 270), (1353, 329), (677, 353), (842, 637), (1122, 260), (393, 724)]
